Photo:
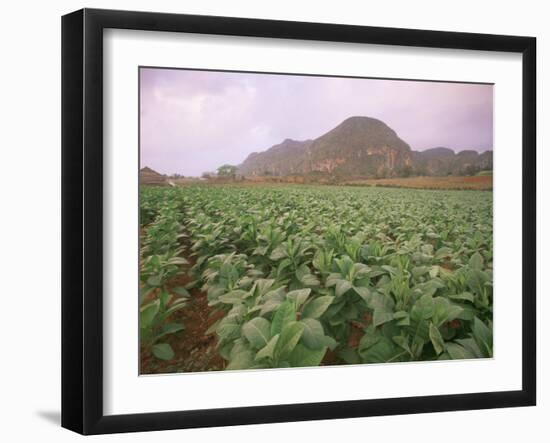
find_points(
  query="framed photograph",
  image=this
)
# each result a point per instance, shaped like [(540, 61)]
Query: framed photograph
[(268, 221)]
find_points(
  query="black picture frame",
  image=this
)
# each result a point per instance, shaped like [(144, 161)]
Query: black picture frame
[(82, 218)]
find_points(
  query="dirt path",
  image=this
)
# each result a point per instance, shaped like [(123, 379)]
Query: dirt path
[(194, 350)]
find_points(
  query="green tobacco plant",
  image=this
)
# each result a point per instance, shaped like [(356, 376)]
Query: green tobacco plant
[(154, 325), (267, 327), (309, 275), (161, 261)]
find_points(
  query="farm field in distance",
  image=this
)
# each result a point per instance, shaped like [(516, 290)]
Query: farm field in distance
[(477, 182), (273, 276)]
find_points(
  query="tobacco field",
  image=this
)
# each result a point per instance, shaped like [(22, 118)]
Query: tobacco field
[(295, 275)]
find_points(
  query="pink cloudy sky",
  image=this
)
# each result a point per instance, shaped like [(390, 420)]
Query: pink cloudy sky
[(195, 121)]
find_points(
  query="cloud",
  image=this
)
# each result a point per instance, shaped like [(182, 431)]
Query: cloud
[(194, 121)]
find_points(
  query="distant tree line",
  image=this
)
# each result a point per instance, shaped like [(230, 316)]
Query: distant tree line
[(230, 172), (225, 172)]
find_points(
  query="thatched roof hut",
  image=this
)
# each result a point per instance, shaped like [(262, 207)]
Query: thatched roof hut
[(149, 177)]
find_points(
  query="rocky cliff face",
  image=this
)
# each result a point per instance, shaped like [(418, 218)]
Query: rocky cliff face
[(444, 161), (282, 159), (360, 147)]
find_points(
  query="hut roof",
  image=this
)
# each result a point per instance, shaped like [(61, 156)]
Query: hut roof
[(147, 176)]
